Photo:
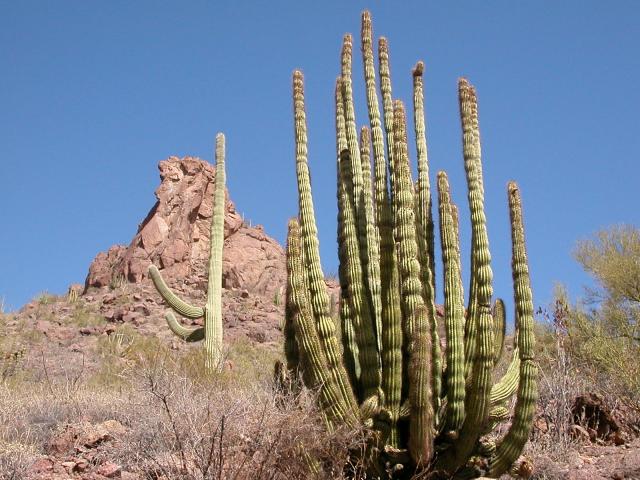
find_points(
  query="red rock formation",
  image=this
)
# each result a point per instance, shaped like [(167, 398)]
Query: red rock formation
[(175, 236)]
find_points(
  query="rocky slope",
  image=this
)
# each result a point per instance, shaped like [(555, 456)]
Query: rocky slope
[(175, 236)]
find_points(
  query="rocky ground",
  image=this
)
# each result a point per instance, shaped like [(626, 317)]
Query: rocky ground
[(54, 336)]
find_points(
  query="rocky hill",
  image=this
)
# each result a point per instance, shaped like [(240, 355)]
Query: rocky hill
[(174, 236)]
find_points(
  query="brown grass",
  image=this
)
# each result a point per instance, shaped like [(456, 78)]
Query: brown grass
[(178, 425)]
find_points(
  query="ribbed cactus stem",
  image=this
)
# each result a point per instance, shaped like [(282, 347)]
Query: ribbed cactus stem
[(508, 384), (370, 375), (213, 308), (453, 313), (387, 104), (377, 135), (499, 329), (310, 249), (478, 355), (315, 359), (291, 349), (423, 190), (371, 257), (424, 228), (351, 354), (391, 336), (352, 134), (480, 256), (405, 233), (421, 417), (510, 447)]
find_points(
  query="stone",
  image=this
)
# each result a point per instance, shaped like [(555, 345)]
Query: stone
[(109, 470), (175, 236)]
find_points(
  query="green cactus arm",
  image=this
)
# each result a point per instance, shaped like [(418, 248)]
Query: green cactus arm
[(455, 218), (424, 216), (372, 255), (508, 384), (175, 302), (454, 315), (352, 137), (187, 334), (497, 415), (291, 350), (405, 234), (387, 105), (421, 417), (310, 250), (391, 337), (351, 353), (362, 297), (377, 135), (425, 230), (510, 447), (317, 371), (370, 376), (499, 329), (479, 357), (480, 255)]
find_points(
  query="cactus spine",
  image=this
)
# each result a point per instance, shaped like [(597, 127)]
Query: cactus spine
[(430, 408), (211, 333)]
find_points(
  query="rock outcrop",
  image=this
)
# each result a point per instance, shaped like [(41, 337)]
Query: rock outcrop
[(175, 236)]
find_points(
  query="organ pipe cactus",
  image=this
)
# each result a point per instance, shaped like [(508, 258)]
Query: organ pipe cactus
[(430, 410), (211, 333)]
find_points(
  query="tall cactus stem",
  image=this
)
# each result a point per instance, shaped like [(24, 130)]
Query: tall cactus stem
[(424, 228), (510, 447), (321, 377), (454, 315), (387, 104), (421, 417), (391, 336), (310, 249), (371, 258), (351, 354)]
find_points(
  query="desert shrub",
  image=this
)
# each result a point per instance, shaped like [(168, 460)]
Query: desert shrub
[(176, 425), (604, 327), (188, 429)]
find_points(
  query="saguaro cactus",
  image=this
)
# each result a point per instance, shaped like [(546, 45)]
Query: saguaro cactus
[(430, 409), (211, 333)]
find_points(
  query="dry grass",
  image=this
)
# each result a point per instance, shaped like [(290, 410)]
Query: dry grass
[(178, 423)]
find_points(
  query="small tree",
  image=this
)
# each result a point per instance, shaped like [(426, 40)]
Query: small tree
[(605, 329)]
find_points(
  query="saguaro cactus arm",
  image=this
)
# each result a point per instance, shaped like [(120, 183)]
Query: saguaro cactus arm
[(187, 334), (175, 302)]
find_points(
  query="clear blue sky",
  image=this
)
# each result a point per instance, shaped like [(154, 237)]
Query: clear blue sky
[(94, 93)]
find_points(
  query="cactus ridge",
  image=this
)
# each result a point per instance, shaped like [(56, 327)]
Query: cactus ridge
[(211, 333), (428, 405)]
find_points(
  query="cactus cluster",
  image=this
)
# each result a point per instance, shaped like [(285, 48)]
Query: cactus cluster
[(431, 405), (211, 333)]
